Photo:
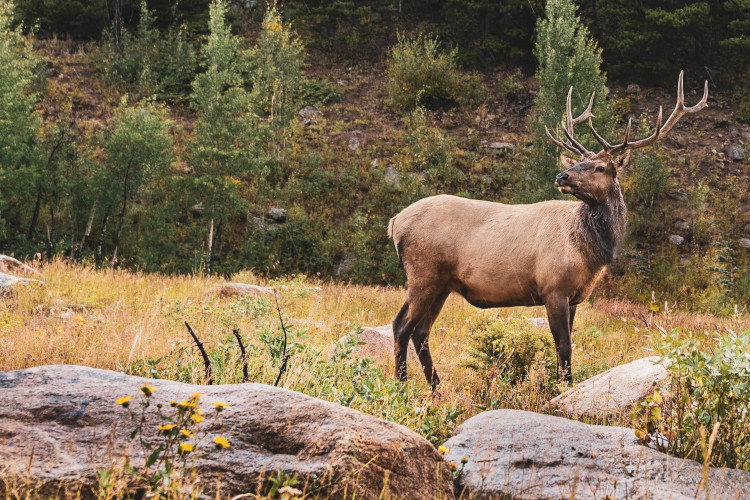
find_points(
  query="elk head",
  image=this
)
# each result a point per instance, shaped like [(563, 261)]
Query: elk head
[(593, 175)]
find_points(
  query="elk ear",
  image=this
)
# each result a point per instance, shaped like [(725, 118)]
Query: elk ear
[(622, 161), (568, 162)]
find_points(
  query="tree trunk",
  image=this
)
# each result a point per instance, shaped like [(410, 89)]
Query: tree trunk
[(105, 221), (210, 248), (88, 231)]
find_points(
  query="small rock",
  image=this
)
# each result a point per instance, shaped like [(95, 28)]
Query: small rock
[(374, 163), (747, 228), (309, 115), (681, 225), (685, 261), (353, 143), (678, 194), (676, 239), (391, 175), (233, 289), (735, 152), (614, 391), (342, 83), (12, 265), (198, 209), (501, 145), (745, 242), (377, 343), (633, 88), (277, 215)]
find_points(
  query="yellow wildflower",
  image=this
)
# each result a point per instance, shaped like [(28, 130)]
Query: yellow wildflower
[(195, 397), (220, 406), (148, 389), (464, 459), (184, 405), (167, 427), (453, 465), (186, 447), (196, 418), (124, 401), (186, 433), (221, 442), (443, 450)]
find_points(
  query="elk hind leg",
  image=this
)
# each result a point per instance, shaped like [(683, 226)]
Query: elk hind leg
[(421, 337), (412, 313), (559, 315)]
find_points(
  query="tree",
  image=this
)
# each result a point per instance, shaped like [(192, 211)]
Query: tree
[(567, 57), (20, 154)]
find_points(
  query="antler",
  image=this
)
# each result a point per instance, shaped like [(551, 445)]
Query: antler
[(571, 144), (679, 111)]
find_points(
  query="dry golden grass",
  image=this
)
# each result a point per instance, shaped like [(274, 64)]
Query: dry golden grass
[(106, 319)]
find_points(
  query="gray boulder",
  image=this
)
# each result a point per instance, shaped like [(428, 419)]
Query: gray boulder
[(614, 391), (676, 239), (277, 215), (59, 424), (309, 116), (745, 243), (524, 455), (10, 265), (8, 282), (735, 152)]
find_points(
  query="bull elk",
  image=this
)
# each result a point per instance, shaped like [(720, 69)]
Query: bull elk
[(549, 253)]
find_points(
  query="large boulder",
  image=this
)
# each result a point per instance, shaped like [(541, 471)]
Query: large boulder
[(613, 392), (233, 289), (524, 455), (7, 282), (376, 343), (59, 424)]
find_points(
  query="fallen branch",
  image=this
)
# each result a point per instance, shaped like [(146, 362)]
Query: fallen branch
[(245, 376), (206, 360), (284, 355)]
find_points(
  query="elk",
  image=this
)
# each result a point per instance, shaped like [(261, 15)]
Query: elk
[(549, 253)]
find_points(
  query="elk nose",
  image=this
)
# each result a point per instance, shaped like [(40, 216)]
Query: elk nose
[(561, 177)]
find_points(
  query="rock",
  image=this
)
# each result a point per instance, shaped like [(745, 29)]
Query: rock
[(745, 242), (391, 175), (538, 322), (309, 115), (8, 282), (10, 265), (234, 289), (612, 392), (681, 225), (353, 143), (747, 228), (65, 417), (501, 145), (685, 261), (198, 209), (377, 344), (735, 152), (374, 163), (633, 88), (277, 215), (676, 239), (524, 455), (678, 194)]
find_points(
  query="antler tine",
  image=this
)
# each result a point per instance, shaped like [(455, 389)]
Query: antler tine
[(577, 145), (561, 144), (606, 145), (572, 122), (679, 109), (653, 137), (624, 144)]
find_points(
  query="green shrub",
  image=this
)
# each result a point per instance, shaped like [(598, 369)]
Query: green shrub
[(510, 348), (420, 74), (708, 392)]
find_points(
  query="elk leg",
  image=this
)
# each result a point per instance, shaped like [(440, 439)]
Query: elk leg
[(558, 313), (420, 339), (412, 313), (572, 317)]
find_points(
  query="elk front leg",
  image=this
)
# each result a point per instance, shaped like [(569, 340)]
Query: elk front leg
[(559, 316)]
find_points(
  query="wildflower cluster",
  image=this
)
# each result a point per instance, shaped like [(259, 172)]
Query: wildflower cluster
[(176, 439)]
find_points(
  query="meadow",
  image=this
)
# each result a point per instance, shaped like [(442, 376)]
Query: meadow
[(135, 322)]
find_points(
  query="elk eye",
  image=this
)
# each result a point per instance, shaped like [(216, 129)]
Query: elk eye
[(600, 168)]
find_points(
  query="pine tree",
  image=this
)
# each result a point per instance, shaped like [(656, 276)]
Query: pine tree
[(567, 57)]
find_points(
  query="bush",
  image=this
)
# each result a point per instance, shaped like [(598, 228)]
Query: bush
[(422, 75), (510, 348), (709, 398)]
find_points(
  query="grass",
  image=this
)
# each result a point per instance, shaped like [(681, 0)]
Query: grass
[(134, 322)]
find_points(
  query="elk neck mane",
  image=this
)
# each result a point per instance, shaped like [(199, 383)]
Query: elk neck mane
[(600, 228)]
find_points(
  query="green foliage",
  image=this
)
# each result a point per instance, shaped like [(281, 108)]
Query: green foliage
[(509, 348), (568, 57), (275, 69), (151, 63), (420, 74), (20, 155), (708, 387)]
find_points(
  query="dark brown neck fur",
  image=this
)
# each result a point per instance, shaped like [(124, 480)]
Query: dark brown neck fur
[(600, 228)]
